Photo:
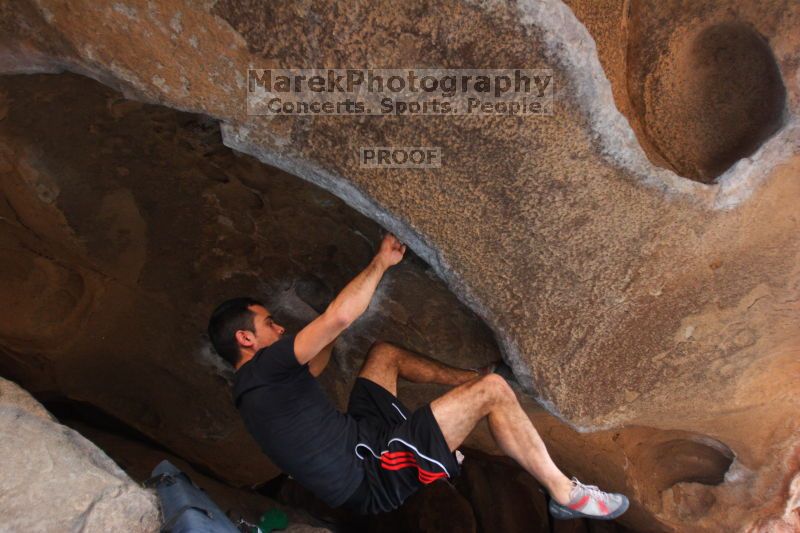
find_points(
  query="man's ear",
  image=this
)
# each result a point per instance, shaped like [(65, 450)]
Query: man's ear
[(245, 338)]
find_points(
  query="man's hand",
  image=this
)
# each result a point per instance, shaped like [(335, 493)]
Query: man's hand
[(391, 251)]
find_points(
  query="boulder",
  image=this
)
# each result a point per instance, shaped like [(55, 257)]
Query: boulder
[(635, 254), (53, 479)]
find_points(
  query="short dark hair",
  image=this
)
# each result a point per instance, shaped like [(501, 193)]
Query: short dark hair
[(229, 317)]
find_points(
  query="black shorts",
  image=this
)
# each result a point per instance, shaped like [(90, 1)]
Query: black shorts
[(400, 450)]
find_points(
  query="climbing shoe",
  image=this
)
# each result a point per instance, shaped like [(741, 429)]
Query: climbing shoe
[(587, 501)]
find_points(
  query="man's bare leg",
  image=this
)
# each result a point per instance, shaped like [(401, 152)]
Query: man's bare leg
[(458, 411), (385, 362)]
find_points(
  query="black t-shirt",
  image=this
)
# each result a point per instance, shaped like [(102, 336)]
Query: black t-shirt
[(295, 423)]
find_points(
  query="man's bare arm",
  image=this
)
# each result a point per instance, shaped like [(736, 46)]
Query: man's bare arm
[(349, 304), (320, 361)]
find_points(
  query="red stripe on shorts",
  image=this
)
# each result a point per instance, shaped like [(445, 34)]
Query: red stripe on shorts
[(400, 460)]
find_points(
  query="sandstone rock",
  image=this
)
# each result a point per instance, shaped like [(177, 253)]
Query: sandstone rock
[(53, 479), (12, 395), (703, 90), (622, 293)]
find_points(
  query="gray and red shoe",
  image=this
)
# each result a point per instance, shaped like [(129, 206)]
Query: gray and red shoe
[(588, 501)]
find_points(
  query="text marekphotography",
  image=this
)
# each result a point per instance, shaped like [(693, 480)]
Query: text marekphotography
[(400, 92)]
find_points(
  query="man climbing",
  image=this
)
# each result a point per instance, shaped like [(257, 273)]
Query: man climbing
[(378, 453)]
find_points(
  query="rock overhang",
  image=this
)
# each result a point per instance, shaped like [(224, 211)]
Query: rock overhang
[(590, 263)]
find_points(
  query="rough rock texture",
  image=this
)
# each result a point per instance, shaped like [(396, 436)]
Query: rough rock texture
[(623, 294), (53, 479), (703, 90), (14, 396)]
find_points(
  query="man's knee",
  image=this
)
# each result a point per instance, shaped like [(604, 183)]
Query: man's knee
[(497, 387), (381, 351)]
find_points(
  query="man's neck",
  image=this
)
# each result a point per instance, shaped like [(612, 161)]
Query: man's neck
[(245, 357), (248, 354)]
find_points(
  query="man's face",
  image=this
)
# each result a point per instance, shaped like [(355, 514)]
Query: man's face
[(267, 330)]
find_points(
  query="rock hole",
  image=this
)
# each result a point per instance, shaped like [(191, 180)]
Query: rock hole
[(682, 460), (709, 100)]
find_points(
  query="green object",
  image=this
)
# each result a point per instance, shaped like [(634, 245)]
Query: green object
[(272, 520)]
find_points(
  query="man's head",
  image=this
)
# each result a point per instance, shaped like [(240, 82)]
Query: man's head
[(240, 327)]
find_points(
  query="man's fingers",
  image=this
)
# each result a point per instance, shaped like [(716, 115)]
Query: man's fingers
[(391, 238), (394, 243)]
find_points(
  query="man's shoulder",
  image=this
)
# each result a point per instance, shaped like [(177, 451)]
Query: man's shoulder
[(273, 364), (284, 344), (281, 347), (277, 358)]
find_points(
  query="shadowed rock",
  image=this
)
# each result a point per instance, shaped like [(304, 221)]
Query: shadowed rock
[(623, 293)]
